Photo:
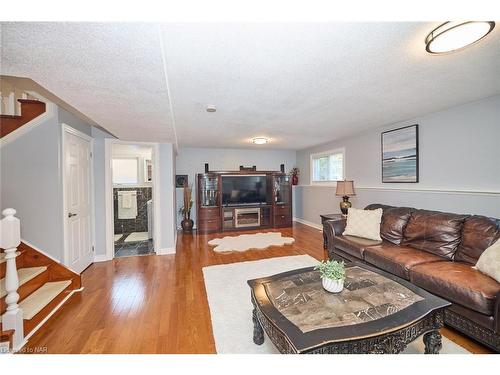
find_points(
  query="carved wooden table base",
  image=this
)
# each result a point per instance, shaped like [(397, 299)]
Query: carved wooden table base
[(386, 343)]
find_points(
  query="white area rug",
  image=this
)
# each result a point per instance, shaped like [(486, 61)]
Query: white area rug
[(137, 236), (245, 242), (231, 308)]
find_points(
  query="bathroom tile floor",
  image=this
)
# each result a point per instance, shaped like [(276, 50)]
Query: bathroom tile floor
[(126, 249)]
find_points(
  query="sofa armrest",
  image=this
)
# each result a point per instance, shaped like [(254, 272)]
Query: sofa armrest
[(332, 228)]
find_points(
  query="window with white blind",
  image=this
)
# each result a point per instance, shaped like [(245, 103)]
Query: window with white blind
[(328, 166)]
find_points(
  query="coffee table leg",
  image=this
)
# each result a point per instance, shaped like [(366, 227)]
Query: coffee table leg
[(258, 333), (432, 341)]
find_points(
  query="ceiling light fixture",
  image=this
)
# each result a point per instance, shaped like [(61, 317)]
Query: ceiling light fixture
[(260, 140), (453, 36), (211, 108)]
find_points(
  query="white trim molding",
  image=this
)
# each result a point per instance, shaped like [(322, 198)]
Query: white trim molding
[(108, 185), (412, 190), (308, 223), (100, 258), (42, 252), (26, 339), (166, 251), (50, 110), (432, 191), (68, 129)]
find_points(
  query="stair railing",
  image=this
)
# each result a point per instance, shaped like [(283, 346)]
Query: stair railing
[(10, 238), (9, 96)]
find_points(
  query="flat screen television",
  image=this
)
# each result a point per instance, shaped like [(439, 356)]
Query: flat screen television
[(244, 189)]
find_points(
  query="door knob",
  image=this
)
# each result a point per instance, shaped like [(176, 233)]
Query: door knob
[(71, 214)]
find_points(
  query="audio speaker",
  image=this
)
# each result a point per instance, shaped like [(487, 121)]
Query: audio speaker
[(206, 167), (282, 168)]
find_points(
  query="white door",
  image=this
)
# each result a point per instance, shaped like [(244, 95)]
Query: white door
[(77, 179)]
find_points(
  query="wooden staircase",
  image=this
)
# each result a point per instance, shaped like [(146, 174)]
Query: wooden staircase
[(43, 285), (30, 109)]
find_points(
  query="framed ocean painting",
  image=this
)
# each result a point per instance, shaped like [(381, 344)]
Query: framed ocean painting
[(400, 155)]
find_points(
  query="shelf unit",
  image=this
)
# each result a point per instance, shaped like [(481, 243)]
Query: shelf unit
[(212, 216)]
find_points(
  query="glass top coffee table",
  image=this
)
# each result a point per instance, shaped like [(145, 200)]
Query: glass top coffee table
[(375, 313)]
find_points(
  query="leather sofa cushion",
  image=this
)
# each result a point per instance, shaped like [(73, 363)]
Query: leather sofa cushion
[(354, 246), (478, 233), (438, 233), (397, 260), (394, 220), (459, 283)]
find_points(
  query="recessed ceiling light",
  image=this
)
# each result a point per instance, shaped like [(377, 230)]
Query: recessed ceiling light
[(260, 140), (211, 108), (452, 36)]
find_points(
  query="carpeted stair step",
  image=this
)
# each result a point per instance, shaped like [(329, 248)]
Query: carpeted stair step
[(25, 275), (37, 300)]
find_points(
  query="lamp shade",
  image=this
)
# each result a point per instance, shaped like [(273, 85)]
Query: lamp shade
[(345, 188)]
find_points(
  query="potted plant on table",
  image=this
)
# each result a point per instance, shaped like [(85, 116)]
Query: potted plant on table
[(295, 175), (186, 223), (332, 275)]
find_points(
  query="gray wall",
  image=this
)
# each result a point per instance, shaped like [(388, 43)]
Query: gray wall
[(458, 151), (99, 191), (31, 181), (167, 197), (191, 161), (67, 118)]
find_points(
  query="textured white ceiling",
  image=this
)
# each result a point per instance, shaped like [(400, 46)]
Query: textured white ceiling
[(299, 84), (111, 72)]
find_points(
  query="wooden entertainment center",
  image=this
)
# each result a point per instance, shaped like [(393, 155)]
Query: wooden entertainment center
[(216, 214)]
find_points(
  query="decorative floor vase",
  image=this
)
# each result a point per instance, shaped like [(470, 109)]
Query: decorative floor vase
[(333, 286), (187, 225), (295, 180)]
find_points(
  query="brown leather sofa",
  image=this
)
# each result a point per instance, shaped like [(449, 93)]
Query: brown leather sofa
[(435, 251)]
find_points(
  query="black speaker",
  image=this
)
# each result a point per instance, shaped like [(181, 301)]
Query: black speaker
[(282, 168), (206, 167)]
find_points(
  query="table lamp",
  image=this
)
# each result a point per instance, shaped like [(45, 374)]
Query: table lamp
[(345, 189)]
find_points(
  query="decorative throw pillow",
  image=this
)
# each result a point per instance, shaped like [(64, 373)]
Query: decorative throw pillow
[(364, 223), (489, 261)]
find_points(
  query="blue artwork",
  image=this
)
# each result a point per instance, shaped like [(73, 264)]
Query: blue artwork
[(400, 155)]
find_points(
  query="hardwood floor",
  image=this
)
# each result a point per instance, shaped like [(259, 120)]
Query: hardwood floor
[(158, 304)]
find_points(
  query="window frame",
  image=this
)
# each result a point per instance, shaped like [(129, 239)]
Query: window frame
[(317, 155)]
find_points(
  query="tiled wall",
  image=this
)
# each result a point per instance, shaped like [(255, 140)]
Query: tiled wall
[(140, 223)]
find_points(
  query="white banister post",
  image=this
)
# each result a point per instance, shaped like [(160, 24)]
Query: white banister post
[(10, 239), (11, 103)]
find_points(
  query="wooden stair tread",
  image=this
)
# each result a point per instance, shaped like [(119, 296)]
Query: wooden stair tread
[(30, 101), (37, 300), (15, 117), (25, 275)]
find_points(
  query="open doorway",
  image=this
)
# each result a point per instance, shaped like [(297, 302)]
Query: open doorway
[(132, 184)]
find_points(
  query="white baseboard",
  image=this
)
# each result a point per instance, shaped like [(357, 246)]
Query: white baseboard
[(27, 337), (309, 223), (101, 258), (166, 251), (41, 251)]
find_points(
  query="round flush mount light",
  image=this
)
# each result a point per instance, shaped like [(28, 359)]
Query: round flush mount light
[(260, 140), (211, 108), (453, 36)]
